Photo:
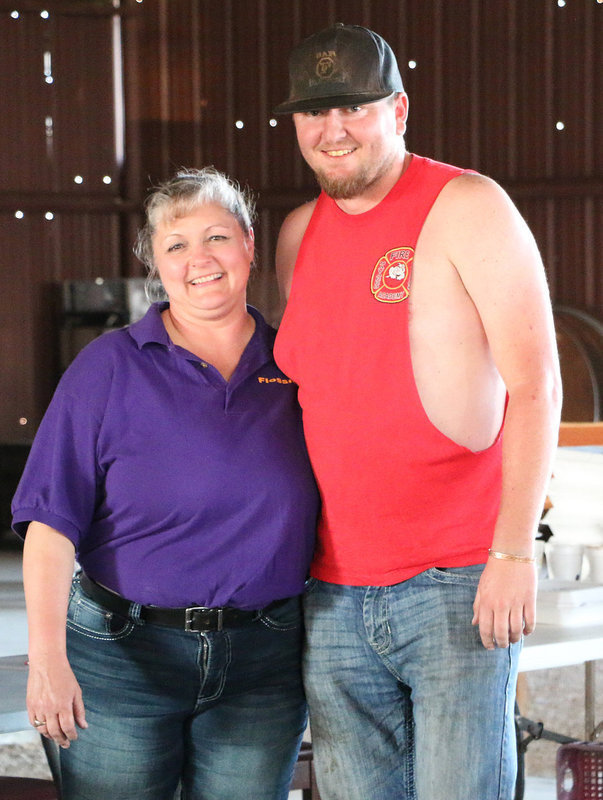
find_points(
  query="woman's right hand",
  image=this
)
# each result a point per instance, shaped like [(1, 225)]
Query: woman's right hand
[(53, 693), (54, 697)]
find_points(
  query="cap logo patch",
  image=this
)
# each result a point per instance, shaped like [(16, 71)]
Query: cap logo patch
[(389, 282), (325, 63)]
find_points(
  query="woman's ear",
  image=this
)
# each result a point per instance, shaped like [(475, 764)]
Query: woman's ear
[(251, 243)]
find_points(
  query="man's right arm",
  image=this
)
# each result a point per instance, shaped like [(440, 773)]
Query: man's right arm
[(287, 247)]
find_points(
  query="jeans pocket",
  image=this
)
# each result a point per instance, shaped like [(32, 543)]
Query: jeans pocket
[(90, 619), (284, 617), (464, 576)]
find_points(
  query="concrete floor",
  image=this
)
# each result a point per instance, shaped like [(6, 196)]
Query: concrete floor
[(22, 754)]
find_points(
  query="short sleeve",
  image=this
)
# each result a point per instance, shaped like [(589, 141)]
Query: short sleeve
[(59, 484)]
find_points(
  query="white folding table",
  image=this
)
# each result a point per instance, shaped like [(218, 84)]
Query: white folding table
[(553, 646)]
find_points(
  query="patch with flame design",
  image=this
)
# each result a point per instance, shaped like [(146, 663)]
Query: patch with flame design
[(389, 282)]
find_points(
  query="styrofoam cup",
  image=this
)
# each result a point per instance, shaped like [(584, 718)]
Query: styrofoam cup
[(594, 557), (564, 561), (539, 552)]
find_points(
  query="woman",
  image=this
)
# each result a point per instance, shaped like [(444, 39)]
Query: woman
[(171, 464)]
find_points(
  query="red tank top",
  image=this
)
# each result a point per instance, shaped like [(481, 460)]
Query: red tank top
[(398, 495)]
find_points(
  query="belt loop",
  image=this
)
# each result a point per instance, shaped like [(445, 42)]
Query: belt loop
[(134, 612), (220, 618)]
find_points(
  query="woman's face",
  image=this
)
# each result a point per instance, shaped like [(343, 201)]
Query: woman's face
[(203, 260)]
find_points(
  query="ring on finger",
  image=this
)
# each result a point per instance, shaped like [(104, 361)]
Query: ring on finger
[(38, 723)]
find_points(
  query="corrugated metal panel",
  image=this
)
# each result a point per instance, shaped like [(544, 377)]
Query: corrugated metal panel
[(490, 82), (57, 97)]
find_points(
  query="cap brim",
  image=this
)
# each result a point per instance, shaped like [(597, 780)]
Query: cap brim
[(335, 101)]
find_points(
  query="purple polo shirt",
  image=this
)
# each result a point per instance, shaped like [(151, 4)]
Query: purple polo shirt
[(176, 487)]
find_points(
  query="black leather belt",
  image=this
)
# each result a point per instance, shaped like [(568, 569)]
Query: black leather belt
[(195, 618)]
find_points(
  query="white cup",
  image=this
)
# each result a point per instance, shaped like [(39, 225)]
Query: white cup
[(564, 561), (539, 553), (594, 558)]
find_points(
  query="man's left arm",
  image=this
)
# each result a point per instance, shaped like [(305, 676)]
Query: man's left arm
[(498, 261)]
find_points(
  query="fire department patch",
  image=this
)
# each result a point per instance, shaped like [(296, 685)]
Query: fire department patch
[(389, 282)]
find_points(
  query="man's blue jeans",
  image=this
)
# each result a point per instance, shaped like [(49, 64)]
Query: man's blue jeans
[(405, 702), (222, 712)]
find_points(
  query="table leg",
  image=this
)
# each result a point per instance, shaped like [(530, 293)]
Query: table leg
[(589, 700)]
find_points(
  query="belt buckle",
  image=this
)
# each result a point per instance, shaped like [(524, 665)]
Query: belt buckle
[(191, 612)]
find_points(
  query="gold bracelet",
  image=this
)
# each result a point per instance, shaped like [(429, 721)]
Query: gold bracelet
[(511, 557)]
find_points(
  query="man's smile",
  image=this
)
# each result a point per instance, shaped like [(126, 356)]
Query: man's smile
[(338, 153)]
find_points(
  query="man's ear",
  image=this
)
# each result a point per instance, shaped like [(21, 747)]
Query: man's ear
[(401, 110)]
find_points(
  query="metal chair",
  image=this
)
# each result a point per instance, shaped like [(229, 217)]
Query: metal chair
[(304, 777), (51, 751), (27, 789), (16, 788)]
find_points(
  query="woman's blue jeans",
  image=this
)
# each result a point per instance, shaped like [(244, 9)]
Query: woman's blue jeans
[(221, 713), (405, 702)]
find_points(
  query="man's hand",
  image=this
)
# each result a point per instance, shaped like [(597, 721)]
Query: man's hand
[(505, 602)]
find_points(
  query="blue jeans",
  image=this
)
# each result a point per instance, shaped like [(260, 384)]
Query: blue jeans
[(405, 702), (221, 714)]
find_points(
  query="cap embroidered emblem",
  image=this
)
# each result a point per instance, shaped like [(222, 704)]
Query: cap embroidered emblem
[(389, 282), (325, 65)]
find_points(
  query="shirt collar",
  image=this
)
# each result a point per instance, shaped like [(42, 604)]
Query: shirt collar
[(150, 329)]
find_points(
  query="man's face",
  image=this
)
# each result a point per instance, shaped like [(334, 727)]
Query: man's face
[(351, 149)]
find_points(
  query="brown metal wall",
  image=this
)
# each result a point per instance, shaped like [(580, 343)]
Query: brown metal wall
[(57, 122), (492, 79)]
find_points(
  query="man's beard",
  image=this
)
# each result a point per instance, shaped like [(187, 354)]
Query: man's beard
[(343, 188), (354, 185)]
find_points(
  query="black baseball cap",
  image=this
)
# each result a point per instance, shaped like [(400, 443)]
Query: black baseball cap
[(340, 66)]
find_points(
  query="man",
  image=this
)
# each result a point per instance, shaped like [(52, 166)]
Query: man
[(418, 325)]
